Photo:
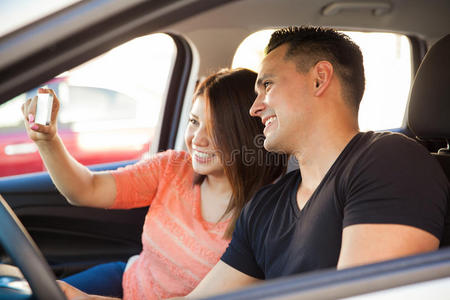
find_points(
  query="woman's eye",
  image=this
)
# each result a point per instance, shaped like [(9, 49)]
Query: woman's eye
[(193, 121)]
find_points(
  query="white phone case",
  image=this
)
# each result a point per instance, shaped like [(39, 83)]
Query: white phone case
[(44, 108)]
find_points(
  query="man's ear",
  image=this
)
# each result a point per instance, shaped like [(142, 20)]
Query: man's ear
[(322, 75)]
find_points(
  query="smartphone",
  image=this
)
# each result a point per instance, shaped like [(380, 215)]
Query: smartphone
[(44, 108)]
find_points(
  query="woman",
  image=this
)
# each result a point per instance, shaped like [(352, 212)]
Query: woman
[(195, 197)]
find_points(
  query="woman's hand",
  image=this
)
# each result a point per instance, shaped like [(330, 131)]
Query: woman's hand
[(75, 294), (38, 132), (71, 292)]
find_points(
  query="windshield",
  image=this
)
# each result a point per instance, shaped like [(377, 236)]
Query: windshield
[(18, 13)]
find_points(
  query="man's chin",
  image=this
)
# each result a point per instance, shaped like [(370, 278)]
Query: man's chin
[(272, 146)]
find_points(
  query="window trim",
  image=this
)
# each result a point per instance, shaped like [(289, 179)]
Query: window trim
[(176, 93), (332, 284)]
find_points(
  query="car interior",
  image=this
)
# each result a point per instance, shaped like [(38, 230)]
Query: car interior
[(46, 238), (428, 106)]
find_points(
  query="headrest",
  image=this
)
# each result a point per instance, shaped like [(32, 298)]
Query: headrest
[(429, 102)]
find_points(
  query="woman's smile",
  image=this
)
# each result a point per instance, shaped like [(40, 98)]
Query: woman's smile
[(202, 157)]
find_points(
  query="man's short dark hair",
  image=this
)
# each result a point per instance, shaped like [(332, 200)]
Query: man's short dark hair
[(309, 45)]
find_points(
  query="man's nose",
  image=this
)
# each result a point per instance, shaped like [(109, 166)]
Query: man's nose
[(257, 107)]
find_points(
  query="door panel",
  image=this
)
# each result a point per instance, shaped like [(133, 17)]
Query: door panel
[(72, 238)]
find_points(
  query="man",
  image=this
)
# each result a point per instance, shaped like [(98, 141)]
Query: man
[(360, 197)]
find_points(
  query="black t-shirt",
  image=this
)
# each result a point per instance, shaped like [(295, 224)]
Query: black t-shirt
[(378, 178)]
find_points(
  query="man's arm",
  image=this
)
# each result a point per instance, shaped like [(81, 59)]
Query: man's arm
[(395, 205), (221, 279), (370, 243)]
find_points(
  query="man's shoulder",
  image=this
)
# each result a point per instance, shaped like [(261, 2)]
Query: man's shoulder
[(386, 145), (388, 138), (270, 204), (395, 145), (386, 157), (269, 196), (395, 156), (371, 138)]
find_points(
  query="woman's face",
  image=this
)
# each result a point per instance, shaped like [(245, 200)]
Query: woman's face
[(205, 158)]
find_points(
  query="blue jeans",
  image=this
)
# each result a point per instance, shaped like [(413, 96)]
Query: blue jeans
[(103, 280)]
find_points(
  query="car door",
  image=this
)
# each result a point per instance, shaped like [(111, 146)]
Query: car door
[(74, 238)]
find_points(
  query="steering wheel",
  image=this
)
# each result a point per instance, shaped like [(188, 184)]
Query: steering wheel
[(23, 251)]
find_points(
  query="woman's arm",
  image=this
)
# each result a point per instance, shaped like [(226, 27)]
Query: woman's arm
[(77, 183), (221, 279)]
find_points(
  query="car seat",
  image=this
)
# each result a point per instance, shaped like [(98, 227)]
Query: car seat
[(429, 107)]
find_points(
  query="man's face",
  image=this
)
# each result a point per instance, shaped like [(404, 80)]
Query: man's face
[(283, 102)]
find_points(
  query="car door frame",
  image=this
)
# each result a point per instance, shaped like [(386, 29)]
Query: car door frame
[(33, 197)]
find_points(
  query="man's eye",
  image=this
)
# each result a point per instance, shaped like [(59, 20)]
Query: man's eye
[(266, 84)]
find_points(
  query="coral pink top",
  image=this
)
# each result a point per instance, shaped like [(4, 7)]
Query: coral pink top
[(179, 246)]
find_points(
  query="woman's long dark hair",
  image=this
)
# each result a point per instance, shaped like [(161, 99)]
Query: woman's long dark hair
[(238, 137)]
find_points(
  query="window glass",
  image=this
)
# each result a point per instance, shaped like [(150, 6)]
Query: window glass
[(387, 63), (109, 107)]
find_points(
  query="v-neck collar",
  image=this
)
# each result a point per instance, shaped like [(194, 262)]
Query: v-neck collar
[(293, 193)]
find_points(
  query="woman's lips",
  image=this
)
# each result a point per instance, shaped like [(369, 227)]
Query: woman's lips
[(203, 157)]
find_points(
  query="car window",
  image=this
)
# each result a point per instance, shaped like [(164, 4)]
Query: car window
[(109, 107), (388, 71)]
